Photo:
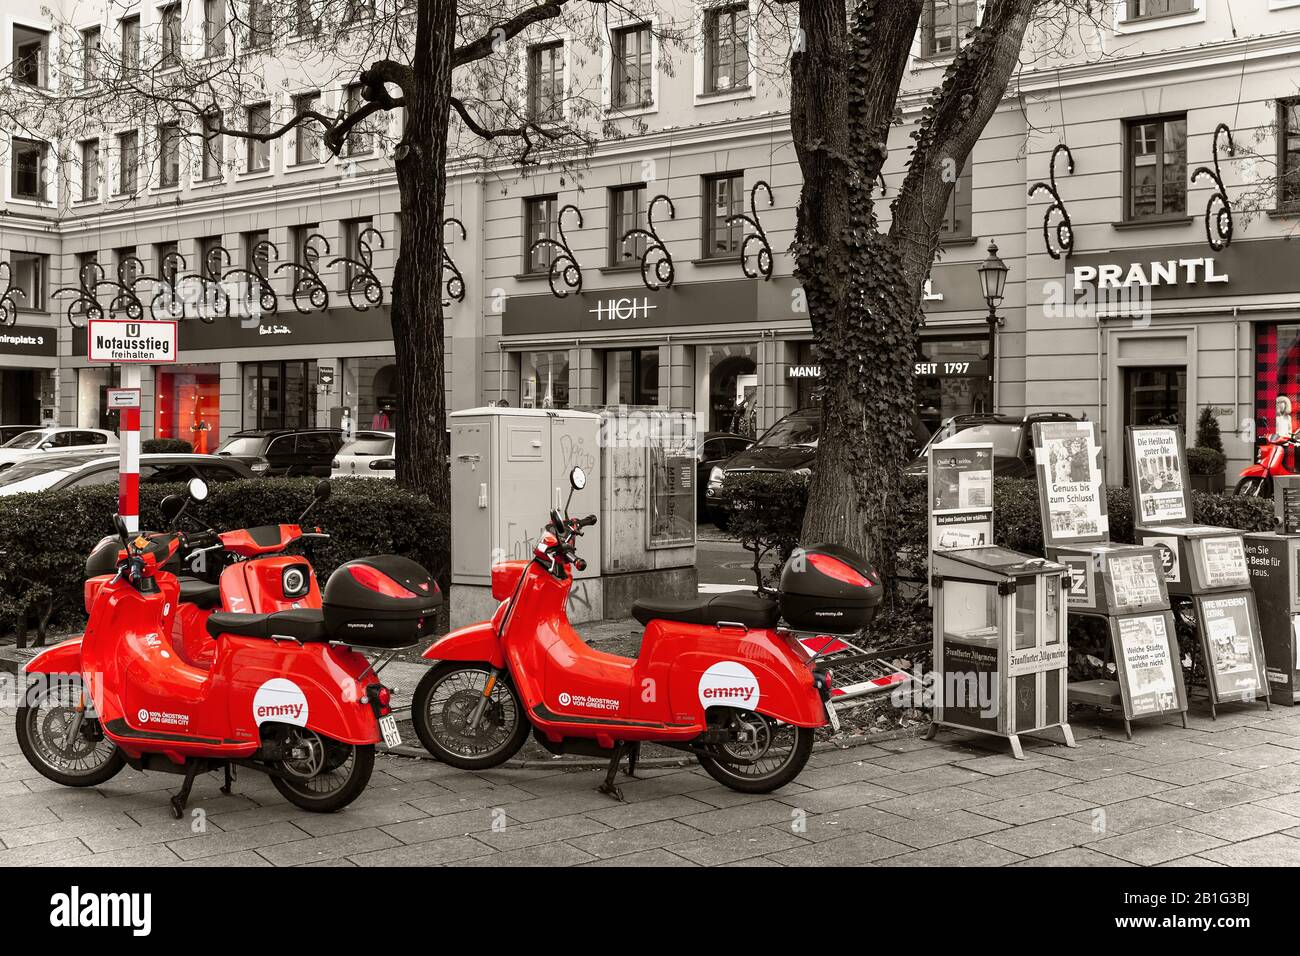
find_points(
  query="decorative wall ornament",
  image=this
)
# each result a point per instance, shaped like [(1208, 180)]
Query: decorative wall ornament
[(657, 271), (307, 282), (1218, 225), (1064, 244), (564, 265), (255, 279), (360, 272), (454, 282), (167, 303), (94, 287), (9, 296), (759, 236), (212, 300)]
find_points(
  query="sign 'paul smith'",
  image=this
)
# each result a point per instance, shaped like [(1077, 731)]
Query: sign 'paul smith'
[(115, 340), (1148, 275)]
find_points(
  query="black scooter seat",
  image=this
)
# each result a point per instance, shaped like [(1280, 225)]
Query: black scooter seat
[(751, 610), (305, 624), (200, 593)]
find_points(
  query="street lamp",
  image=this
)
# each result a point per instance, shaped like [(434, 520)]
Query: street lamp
[(993, 282)]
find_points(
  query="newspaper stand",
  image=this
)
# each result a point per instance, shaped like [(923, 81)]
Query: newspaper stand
[(1274, 562), (1000, 656), (1121, 585), (1205, 567)]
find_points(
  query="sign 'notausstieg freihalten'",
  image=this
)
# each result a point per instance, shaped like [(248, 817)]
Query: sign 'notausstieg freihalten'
[(115, 340)]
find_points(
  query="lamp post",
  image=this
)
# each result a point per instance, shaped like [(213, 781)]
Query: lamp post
[(993, 282)]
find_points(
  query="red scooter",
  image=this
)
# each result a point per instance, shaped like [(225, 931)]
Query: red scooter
[(283, 692), (1257, 480), (715, 676)]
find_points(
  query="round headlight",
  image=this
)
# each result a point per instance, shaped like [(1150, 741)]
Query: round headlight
[(294, 581)]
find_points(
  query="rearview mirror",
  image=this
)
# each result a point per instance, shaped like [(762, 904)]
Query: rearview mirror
[(578, 478), (171, 508), (198, 489), (322, 489)]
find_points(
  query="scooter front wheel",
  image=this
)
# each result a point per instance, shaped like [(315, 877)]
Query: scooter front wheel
[(1255, 486), (324, 775), (71, 753), (447, 702), (764, 756)]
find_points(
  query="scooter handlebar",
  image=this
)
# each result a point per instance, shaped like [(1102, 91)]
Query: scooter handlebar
[(587, 522)]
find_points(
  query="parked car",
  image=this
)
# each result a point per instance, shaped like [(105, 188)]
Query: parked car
[(1011, 436), (8, 432), (285, 452), (369, 454), (56, 472), (715, 448), (38, 441)]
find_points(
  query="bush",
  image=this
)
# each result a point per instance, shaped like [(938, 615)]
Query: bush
[(1207, 431), (48, 535), (166, 446), (768, 516), (1206, 461)]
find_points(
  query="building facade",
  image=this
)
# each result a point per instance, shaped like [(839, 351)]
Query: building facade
[(641, 277)]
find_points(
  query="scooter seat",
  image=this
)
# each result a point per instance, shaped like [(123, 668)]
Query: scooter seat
[(200, 593), (302, 624), (751, 610)]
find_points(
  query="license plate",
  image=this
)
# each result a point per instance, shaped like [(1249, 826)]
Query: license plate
[(388, 726)]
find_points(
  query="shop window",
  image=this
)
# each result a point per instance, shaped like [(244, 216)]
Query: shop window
[(1288, 153), (951, 377), (92, 397), (627, 210), (23, 394), (633, 69), (539, 223), (369, 393), (546, 82), (957, 215), (733, 388), (280, 394), (28, 272), (1156, 168), (726, 48), (944, 24), (544, 379), (724, 196), (1277, 383), (632, 376), (1150, 9), (31, 159)]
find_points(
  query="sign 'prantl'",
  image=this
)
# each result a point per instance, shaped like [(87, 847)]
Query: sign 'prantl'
[(125, 342)]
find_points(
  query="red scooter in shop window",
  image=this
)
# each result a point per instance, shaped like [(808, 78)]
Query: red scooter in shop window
[(716, 676), (284, 693), (1256, 480)]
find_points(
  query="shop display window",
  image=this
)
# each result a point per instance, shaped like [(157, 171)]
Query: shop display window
[(733, 388), (92, 396), (544, 379), (188, 405), (369, 396), (279, 394)]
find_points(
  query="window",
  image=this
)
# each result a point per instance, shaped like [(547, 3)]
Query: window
[(354, 11), (544, 379), (210, 164), (128, 162), (305, 23), (169, 155), (545, 81), (307, 149), (30, 53), (633, 69), (353, 229), (280, 395), (726, 49), (627, 210), (171, 36), (1150, 9), (359, 140), (632, 376), (211, 260), (257, 259), (259, 23), (30, 160), (943, 25), (1157, 168), (87, 263), (539, 223), (128, 263), (27, 271), (298, 236), (724, 196), (956, 218), (90, 170), (214, 27), (259, 151), (90, 43), (167, 257), (1288, 153), (130, 36)]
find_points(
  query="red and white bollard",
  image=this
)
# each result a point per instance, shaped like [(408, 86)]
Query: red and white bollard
[(128, 486)]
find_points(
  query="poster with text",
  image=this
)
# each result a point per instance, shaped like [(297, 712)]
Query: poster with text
[(1135, 580), (1224, 562), (1069, 460), (963, 477), (1158, 474), (1229, 645), (1145, 655)]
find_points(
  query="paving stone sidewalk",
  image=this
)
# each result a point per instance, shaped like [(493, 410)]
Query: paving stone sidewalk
[(1220, 793)]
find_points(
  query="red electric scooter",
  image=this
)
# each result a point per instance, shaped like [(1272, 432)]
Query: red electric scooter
[(283, 693), (1257, 480), (715, 676)]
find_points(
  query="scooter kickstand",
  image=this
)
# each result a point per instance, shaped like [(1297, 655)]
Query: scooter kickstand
[(608, 786), (182, 798), (633, 755), (230, 779)]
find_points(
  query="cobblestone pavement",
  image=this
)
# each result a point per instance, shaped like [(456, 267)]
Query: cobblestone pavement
[(1223, 792)]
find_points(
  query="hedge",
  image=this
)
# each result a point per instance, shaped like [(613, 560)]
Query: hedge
[(166, 446), (48, 535)]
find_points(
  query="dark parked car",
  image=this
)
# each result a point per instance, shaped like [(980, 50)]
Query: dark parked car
[(55, 472), (285, 452), (1011, 436), (715, 448)]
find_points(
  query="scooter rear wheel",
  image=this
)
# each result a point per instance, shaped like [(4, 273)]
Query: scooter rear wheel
[(771, 755), (329, 776), (42, 728), (445, 700)]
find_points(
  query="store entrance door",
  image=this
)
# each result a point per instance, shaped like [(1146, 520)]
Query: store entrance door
[(1154, 395), (20, 396)]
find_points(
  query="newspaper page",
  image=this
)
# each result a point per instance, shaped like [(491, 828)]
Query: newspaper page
[(1144, 655), (1158, 470), (1069, 454)]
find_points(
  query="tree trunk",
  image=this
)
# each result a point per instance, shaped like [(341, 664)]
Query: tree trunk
[(417, 317)]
